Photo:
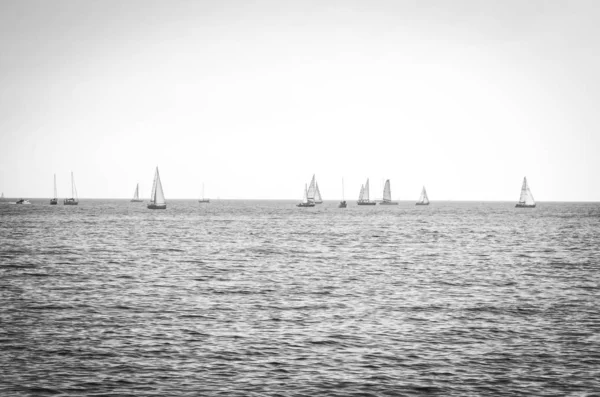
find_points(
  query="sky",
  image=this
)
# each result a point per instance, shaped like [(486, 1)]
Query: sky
[(251, 98)]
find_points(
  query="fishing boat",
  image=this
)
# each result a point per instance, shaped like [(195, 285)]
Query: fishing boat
[(363, 198), (157, 196), (342, 203), (73, 200), (314, 194), (23, 201), (526, 200), (203, 200), (54, 201), (136, 195), (306, 202), (423, 199), (387, 195)]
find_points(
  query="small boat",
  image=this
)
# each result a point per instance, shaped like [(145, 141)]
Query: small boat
[(423, 199), (387, 195), (306, 202), (342, 203), (157, 197), (136, 195), (526, 200), (73, 200), (2, 199), (54, 200), (203, 200), (314, 194), (22, 201), (363, 198)]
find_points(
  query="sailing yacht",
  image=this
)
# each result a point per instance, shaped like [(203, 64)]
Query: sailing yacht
[(203, 200), (387, 195), (136, 195), (73, 200), (306, 202), (363, 198), (314, 194), (157, 196), (342, 203), (423, 199), (54, 201), (526, 200)]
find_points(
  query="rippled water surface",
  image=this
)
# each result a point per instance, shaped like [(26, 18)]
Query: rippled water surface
[(259, 298)]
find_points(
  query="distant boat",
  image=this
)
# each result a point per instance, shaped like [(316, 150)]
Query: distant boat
[(423, 199), (2, 197), (305, 201), (363, 198), (387, 195), (314, 194), (203, 200), (54, 201), (157, 197), (136, 195), (342, 203), (73, 200), (526, 200), (22, 201)]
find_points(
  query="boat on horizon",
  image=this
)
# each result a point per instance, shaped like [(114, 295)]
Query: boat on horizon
[(363, 197), (423, 199), (73, 200), (203, 200), (342, 203), (314, 194), (526, 200), (387, 195), (136, 195), (306, 202), (22, 201), (54, 200), (157, 196)]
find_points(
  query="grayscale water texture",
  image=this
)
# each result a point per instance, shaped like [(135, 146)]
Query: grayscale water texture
[(260, 298)]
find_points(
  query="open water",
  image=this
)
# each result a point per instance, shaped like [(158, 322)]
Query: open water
[(260, 298)]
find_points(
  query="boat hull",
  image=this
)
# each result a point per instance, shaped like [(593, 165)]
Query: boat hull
[(305, 205), (136, 201), (53, 201), (318, 202), (70, 202), (421, 203), (342, 204), (366, 203), (157, 206), (525, 206), (388, 203), (204, 201)]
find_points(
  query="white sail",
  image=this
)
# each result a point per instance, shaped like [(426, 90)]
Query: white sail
[(73, 188), (526, 196), (423, 199), (55, 186), (305, 197), (318, 198), (158, 196), (312, 189), (366, 192), (362, 192), (136, 194), (387, 193)]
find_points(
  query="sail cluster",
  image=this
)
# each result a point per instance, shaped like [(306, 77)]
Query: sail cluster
[(364, 193), (313, 194)]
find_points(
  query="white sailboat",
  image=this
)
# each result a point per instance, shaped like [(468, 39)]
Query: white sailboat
[(203, 200), (73, 200), (306, 202), (423, 199), (54, 200), (136, 195), (342, 203), (363, 198), (387, 195), (157, 196), (2, 197), (526, 200), (314, 194)]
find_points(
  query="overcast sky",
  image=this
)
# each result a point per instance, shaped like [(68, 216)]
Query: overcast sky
[(252, 98)]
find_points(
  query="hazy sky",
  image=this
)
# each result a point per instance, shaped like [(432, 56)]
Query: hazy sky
[(253, 97)]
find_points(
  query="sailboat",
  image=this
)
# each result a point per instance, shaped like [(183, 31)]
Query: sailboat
[(54, 201), (73, 200), (306, 202), (136, 195), (203, 200), (387, 195), (526, 200), (2, 197), (314, 194), (157, 196), (363, 198), (342, 203), (423, 199)]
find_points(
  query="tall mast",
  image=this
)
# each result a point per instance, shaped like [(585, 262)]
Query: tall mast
[(54, 185), (72, 186)]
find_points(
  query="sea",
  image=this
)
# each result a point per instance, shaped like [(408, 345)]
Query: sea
[(261, 298)]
